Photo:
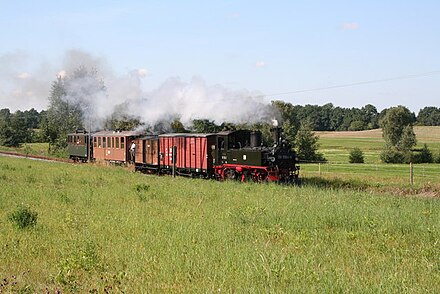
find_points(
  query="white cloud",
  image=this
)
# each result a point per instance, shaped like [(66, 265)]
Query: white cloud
[(350, 26), (260, 64)]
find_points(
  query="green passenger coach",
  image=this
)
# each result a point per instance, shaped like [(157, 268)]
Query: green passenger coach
[(78, 146)]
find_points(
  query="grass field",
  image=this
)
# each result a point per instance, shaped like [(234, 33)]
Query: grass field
[(336, 146), (41, 149), (104, 229)]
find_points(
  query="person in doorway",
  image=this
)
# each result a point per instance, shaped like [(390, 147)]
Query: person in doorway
[(132, 152)]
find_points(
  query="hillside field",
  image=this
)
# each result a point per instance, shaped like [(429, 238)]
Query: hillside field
[(105, 229), (336, 146)]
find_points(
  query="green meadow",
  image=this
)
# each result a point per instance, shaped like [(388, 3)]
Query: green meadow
[(336, 146), (40, 149), (107, 230)]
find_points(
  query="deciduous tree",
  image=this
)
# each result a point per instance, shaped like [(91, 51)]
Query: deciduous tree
[(397, 128)]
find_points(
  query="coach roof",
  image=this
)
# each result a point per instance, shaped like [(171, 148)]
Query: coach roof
[(118, 134)]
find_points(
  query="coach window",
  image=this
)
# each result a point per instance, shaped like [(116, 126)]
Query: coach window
[(122, 142), (94, 142), (104, 141), (117, 142), (113, 142)]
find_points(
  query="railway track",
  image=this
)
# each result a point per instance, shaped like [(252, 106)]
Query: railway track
[(34, 157)]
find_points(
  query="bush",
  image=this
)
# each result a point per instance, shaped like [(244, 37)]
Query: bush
[(356, 156), (423, 155), (23, 217), (390, 155)]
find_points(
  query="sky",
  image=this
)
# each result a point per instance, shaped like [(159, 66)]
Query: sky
[(349, 53)]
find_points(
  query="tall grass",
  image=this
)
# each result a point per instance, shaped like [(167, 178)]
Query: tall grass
[(105, 229)]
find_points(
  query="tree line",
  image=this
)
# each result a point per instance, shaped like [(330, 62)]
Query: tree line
[(25, 126), (297, 121), (21, 127)]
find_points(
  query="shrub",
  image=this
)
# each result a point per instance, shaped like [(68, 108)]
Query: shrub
[(356, 156), (390, 155), (23, 217), (423, 155), (426, 154)]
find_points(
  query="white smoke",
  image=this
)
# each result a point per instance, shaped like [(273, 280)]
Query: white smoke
[(185, 100)]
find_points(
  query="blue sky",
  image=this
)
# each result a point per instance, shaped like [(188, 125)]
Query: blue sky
[(269, 47)]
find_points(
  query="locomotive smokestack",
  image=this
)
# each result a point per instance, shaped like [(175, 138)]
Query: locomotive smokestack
[(276, 134)]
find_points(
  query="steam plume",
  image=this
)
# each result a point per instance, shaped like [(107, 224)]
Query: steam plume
[(124, 93)]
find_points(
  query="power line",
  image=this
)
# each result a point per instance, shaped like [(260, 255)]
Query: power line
[(431, 73)]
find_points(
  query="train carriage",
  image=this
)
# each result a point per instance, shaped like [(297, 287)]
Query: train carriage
[(192, 154), (78, 146), (147, 155), (114, 146)]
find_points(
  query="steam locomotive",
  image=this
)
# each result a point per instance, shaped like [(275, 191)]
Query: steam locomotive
[(228, 155)]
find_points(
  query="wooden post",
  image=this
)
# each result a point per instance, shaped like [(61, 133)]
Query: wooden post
[(411, 174)]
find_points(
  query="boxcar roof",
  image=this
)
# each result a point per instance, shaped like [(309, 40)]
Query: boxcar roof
[(186, 135), (226, 133), (148, 137), (118, 133)]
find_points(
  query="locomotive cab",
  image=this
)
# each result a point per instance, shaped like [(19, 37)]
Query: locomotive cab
[(234, 147), (240, 155)]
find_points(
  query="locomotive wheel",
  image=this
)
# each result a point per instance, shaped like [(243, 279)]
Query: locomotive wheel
[(230, 174), (246, 176), (259, 177)]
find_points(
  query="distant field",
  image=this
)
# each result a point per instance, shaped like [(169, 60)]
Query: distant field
[(336, 146), (41, 149), (104, 229), (423, 133)]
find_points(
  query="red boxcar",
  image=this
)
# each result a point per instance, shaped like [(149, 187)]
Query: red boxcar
[(193, 153), (113, 146), (147, 153)]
